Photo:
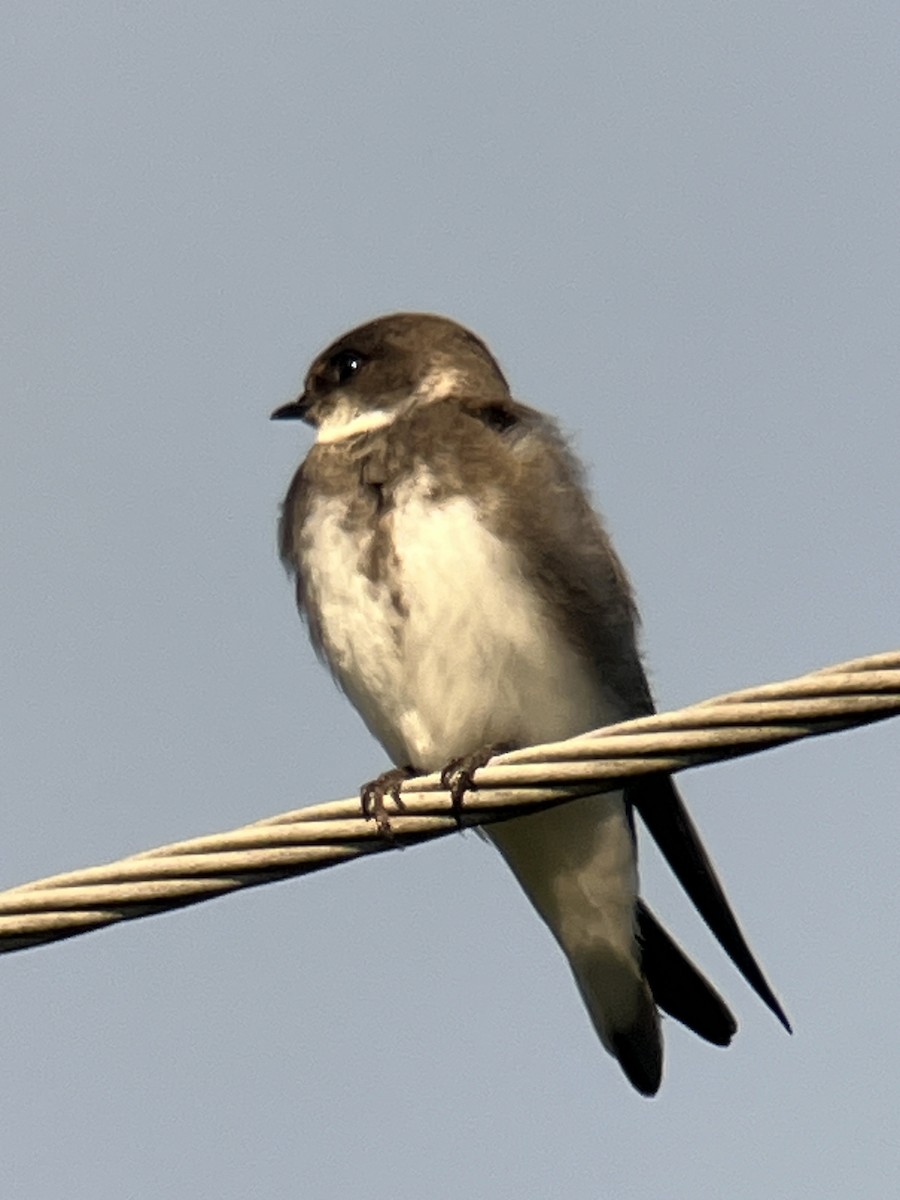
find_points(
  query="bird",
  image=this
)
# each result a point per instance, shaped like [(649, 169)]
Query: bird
[(457, 581)]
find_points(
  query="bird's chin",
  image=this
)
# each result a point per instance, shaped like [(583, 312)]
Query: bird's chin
[(341, 425)]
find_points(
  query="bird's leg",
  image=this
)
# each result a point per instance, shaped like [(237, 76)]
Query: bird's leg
[(372, 796), (458, 774)]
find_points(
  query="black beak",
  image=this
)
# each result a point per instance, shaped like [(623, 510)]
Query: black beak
[(295, 411)]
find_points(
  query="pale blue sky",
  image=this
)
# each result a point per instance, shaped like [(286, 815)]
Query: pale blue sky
[(677, 226)]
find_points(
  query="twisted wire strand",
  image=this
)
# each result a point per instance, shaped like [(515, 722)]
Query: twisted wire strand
[(844, 696)]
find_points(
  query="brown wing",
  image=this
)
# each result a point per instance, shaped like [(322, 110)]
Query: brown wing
[(571, 558), (294, 512)]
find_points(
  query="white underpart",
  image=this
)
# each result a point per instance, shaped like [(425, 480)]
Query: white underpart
[(474, 661), (346, 419)]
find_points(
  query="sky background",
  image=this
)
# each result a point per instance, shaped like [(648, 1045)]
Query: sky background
[(677, 227)]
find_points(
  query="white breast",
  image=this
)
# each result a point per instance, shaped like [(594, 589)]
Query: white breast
[(470, 658)]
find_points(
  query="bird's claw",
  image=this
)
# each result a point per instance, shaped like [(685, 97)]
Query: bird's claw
[(458, 777), (372, 797)]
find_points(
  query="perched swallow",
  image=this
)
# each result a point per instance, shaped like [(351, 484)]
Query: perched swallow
[(465, 595)]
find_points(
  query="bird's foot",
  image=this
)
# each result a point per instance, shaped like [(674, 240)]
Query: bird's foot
[(372, 797), (458, 775)]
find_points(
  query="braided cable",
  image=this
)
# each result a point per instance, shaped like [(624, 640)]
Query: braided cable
[(309, 839)]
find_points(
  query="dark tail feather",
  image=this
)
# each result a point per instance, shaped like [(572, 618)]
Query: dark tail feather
[(665, 816), (678, 987)]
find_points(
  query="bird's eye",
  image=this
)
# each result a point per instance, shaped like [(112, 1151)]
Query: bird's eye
[(495, 416), (345, 364)]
